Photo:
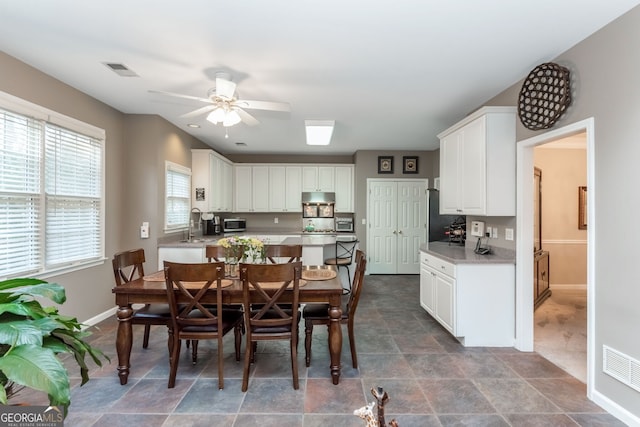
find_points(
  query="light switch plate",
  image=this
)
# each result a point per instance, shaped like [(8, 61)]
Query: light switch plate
[(144, 230), (508, 233)]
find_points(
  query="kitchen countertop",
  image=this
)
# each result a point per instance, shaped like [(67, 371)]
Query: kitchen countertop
[(294, 238), (463, 255)]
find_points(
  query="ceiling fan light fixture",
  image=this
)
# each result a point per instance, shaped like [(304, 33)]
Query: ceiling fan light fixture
[(217, 115), (319, 131), (232, 118)]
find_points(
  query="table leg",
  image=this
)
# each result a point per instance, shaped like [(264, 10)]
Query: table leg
[(335, 338), (124, 340)]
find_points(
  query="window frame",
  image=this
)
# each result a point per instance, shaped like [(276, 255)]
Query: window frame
[(49, 117), (170, 166)]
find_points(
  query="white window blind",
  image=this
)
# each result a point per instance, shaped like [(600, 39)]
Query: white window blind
[(177, 196), (73, 187), (20, 199), (51, 192)]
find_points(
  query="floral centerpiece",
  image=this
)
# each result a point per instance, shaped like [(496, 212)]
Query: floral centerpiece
[(242, 249)]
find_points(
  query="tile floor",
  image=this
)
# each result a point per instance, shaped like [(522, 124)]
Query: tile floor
[(431, 379)]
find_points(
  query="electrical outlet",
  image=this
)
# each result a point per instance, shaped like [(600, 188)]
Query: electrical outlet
[(275, 220), (494, 232), (364, 221), (488, 232), (144, 230), (508, 233)]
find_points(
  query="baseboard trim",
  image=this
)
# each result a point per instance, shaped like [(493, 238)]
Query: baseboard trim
[(99, 318), (569, 286), (614, 409)]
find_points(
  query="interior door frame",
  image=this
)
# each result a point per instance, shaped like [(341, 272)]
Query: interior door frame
[(368, 216), (524, 237)]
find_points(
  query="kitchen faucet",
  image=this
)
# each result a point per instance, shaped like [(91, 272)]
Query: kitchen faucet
[(190, 230)]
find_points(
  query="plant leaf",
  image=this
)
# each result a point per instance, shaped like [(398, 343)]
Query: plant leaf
[(37, 368), (51, 291), (23, 308), (18, 283), (20, 332)]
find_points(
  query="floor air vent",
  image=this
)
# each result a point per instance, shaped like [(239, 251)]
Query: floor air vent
[(621, 367)]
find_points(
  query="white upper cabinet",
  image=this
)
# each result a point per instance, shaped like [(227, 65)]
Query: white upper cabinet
[(285, 188), (318, 178), (344, 188), (251, 188), (478, 164), (211, 181)]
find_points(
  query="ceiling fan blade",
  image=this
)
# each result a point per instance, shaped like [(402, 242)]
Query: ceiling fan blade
[(264, 105), (198, 111), (225, 88), (247, 118), (178, 95)]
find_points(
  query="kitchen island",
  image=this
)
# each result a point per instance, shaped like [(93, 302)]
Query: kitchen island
[(315, 247), (472, 296)]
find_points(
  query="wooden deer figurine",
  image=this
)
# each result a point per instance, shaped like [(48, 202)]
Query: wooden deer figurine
[(366, 412)]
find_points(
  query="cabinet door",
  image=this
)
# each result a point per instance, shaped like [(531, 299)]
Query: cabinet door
[(293, 189), (260, 188), (221, 184), (427, 289), (472, 186), (344, 188), (277, 188), (201, 196), (445, 302), (242, 188), (227, 186), (309, 178), (449, 179), (326, 178)]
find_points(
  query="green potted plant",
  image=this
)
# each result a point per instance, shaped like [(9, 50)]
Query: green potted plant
[(31, 337)]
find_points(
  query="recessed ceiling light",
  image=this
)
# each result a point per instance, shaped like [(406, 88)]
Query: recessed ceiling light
[(319, 131), (193, 125)]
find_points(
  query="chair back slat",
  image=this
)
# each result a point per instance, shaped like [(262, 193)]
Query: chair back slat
[(128, 265), (275, 253), (192, 281), (358, 278), (254, 278)]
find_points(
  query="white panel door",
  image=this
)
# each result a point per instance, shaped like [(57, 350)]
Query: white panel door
[(397, 226), (381, 239), (411, 225)]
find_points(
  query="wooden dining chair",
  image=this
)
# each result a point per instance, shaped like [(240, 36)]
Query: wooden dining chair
[(344, 258), (277, 253), (318, 314), (191, 319), (128, 266), (270, 285)]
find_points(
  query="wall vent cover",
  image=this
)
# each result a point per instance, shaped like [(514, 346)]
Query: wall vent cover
[(621, 367), (120, 69)]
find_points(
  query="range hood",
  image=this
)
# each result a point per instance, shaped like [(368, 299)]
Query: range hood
[(318, 197)]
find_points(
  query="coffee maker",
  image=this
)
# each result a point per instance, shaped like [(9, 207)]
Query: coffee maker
[(212, 227)]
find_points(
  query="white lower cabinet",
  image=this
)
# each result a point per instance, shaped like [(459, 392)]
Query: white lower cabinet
[(180, 254), (473, 301)]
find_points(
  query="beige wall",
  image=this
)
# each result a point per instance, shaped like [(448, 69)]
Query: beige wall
[(563, 171)]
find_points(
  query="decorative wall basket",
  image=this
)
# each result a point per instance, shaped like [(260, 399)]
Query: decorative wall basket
[(545, 95)]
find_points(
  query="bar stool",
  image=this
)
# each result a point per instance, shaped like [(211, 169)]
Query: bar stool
[(345, 249)]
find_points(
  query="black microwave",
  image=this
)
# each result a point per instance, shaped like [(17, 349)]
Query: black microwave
[(232, 225)]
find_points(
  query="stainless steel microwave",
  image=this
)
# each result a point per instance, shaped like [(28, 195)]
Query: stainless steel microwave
[(344, 224), (233, 225)]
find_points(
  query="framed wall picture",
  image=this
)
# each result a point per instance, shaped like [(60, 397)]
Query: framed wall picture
[(385, 164), (409, 164)]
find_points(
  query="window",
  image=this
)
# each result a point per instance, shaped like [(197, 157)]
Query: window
[(51, 191), (177, 197)]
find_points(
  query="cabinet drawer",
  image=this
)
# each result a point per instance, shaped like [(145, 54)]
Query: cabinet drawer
[(438, 264)]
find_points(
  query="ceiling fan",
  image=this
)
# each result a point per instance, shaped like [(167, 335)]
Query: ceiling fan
[(223, 105)]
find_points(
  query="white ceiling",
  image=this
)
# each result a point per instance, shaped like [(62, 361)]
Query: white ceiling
[(392, 74)]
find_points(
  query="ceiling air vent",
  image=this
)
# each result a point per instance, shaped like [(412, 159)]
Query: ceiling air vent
[(120, 69)]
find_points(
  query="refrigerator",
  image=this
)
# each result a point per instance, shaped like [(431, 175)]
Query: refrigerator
[(437, 225)]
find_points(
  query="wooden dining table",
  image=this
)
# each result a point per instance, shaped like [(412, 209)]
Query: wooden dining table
[(141, 291)]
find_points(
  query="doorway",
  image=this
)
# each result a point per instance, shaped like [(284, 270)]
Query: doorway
[(560, 323), (524, 243)]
